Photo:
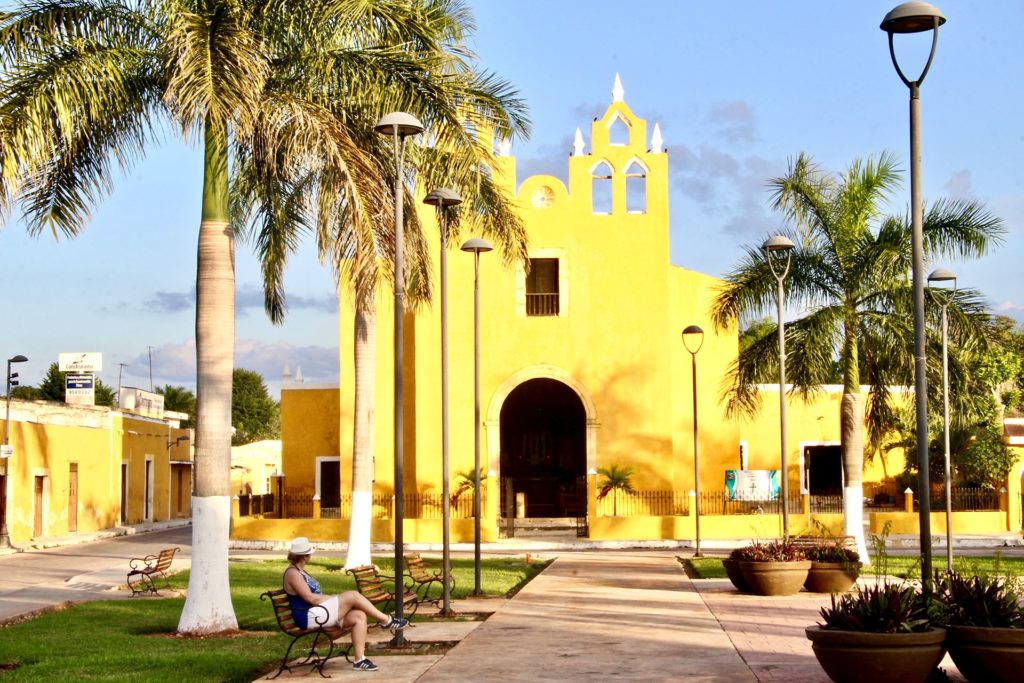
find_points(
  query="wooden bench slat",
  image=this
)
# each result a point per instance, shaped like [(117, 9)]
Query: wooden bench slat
[(286, 622), (141, 571)]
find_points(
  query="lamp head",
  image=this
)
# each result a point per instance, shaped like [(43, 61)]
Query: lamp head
[(777, 243), (912, 17), (694, 333), (17, 359), (941, 275), (442, 196), (477, 245), (399, 122)]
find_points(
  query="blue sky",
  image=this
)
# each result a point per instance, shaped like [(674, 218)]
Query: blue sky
[(736, 96)]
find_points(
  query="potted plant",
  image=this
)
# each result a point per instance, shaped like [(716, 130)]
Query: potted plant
[(776, 567), (985, 623), (732, 570), (834, 569), (877, 634)]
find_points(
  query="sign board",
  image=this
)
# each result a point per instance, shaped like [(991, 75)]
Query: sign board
[(752, 484), (79, 389), (142, 402), (6, 451), (80, 362)]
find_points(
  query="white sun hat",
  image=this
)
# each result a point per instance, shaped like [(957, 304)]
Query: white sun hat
[(301, 546)]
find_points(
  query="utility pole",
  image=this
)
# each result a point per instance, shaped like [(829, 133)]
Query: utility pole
[(150, 367), (120, 369)]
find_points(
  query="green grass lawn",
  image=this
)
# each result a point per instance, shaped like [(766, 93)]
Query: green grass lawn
[(133, 640), (903, 567)]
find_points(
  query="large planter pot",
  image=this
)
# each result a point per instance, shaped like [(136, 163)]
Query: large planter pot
[(732, 570), (775, 578), (859, 657), (831, 577), (987, 655)]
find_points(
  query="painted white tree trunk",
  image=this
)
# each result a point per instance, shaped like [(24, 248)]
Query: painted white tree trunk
[(851, 426), (208, 608), (365, 357)]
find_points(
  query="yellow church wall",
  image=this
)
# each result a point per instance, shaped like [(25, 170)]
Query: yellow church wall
[(310, 419)]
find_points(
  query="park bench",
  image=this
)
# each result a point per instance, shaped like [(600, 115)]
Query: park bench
[(380, 589), (142, 570), (423, 578), (320, 634)]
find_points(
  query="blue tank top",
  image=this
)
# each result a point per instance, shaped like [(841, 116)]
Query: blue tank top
[(300, 608)]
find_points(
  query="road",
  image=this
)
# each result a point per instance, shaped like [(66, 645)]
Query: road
[(37, 579)]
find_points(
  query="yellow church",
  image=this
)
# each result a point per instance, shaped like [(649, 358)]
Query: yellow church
[(583, 367)]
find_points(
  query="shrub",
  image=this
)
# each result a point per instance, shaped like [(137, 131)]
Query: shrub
[(832, 552), (771, 551), (980, 600), (883, 608)]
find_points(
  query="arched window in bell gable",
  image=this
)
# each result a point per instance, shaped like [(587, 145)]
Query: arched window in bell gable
[(601, 188), (636, 187), (618, 131)]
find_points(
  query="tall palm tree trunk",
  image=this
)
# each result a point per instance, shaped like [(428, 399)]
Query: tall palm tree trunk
[(208, 607), (362, 435), (851, 427)]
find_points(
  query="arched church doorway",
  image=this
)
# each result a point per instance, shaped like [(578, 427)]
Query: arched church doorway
[(543, 450)]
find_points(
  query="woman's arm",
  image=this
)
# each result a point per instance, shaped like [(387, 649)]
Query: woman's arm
[(296, 585)]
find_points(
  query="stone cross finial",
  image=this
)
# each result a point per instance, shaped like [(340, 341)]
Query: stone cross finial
[(577, 144), (657, 142), (504, 147)]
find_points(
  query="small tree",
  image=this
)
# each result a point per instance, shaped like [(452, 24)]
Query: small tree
[(464, 481), (615, 479), (254, 415)]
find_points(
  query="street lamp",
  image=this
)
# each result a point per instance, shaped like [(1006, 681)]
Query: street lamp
[(5, 537), (440, 198), (694, 335), (779, 244), (399, 126), (944, 275), (915, 17), (477, 246)]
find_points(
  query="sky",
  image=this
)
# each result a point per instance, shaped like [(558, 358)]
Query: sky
[(736, 97)]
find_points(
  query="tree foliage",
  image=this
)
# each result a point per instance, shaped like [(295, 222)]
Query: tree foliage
[(254, 414), (181, 400)]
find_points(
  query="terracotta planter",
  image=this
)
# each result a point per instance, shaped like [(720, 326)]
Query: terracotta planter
[(831, 577), (732, 570), (775, 578), (987, 655), (859, 657)]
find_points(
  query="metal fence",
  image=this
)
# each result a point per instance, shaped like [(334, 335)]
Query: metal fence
[(301, 506)]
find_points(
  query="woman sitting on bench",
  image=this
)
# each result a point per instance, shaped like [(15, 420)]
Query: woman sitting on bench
[(346, 610)]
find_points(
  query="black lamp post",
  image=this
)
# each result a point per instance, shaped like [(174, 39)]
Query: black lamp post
[(779, 244), (440, 198), (399, 126), (915, 17), (477, 246), (694, 335), (12, 379)]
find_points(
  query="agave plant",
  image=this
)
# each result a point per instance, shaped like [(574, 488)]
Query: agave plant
[(831, 552), (778, 550), (882, 608), (979, 600)]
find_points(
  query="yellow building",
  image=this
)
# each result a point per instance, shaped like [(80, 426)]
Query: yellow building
[(582, 364), (78, 469)]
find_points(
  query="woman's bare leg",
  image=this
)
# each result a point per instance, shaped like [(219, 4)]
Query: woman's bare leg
[(356, 621), (354, 600)]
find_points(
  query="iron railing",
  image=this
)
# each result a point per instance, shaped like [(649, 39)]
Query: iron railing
[(301, 506), (542, 304)]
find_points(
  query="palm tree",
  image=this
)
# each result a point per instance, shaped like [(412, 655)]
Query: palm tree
[(460, 107), (849, 279), (89, 86), (615, 479)]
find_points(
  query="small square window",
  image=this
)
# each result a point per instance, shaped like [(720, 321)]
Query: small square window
[(542, 287)]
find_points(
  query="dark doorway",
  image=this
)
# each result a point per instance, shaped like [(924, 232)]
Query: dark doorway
[(823, 469), (543, 449), (330, 484)]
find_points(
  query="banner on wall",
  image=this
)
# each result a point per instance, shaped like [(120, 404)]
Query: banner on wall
[(752, 484)]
